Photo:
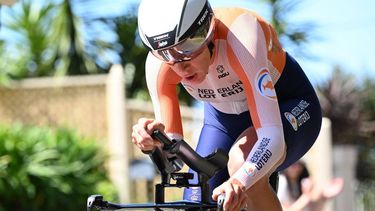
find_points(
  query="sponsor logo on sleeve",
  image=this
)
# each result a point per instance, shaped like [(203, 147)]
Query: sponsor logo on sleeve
[(249, 168), (298, 115), (262, 154), (264, 84), (292, 120)]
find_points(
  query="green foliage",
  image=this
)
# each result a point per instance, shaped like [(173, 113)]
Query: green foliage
[(51, 41), (366, 161), (369, 101), (77, 52), (28, 56), (3, 76), (366, 195), (293, 35), (57, 41), (340, 98), (132, 53), (351, 109), (45, 169)]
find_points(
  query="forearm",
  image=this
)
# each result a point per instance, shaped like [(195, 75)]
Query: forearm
[(265, 154)]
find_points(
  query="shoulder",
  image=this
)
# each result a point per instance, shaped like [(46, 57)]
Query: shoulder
[(153, 64), (159, 72), (228, 15), (239, 22)]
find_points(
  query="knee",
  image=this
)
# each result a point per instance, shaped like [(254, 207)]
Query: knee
[(241, 149), (260, 186)]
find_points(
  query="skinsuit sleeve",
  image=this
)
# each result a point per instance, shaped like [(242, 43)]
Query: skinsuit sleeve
[(248, 54), (161, 84)]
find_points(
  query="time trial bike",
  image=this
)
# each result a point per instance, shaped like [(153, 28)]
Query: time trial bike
[(169, 161)]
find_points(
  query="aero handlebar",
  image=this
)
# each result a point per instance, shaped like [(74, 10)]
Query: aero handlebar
[(205, 167), (187, 154)]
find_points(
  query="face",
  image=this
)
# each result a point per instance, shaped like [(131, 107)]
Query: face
[(195, 70)]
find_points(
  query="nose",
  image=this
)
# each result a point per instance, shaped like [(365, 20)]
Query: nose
[(182, 66)]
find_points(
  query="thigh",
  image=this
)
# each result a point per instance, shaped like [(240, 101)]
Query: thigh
[(241, 149), (301, 123), (211, 139), (300, 111), (220, 130)]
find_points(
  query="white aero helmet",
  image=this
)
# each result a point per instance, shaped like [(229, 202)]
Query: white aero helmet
[(175, 30)]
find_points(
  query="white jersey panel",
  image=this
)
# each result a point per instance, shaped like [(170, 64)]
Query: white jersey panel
[(249, 45), (153, 65)]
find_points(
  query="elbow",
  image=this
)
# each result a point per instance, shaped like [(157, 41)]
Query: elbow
[(280, 150)]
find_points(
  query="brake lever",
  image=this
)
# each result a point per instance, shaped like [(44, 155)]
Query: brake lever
[(156, 134), (220, 202)]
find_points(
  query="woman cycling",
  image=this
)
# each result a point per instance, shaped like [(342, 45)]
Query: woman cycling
[(259, 105)]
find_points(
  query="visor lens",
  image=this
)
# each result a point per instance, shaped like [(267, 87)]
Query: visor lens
[(190, 47)]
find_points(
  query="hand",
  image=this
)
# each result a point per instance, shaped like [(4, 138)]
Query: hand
[(333, 188), (141, 133), (235, 194), (324, 192)]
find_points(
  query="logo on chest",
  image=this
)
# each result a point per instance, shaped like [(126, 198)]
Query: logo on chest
[(206, 93), (224, 92), (221, 71)]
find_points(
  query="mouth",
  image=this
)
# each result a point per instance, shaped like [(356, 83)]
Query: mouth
[(190, 77)]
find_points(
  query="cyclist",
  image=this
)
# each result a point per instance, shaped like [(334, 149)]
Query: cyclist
[(259, 105)]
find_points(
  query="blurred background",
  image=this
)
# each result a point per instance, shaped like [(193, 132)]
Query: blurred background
[(72, 84)]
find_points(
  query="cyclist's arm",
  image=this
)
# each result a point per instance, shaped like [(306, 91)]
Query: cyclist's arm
[(161, 83), (248, 52)]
